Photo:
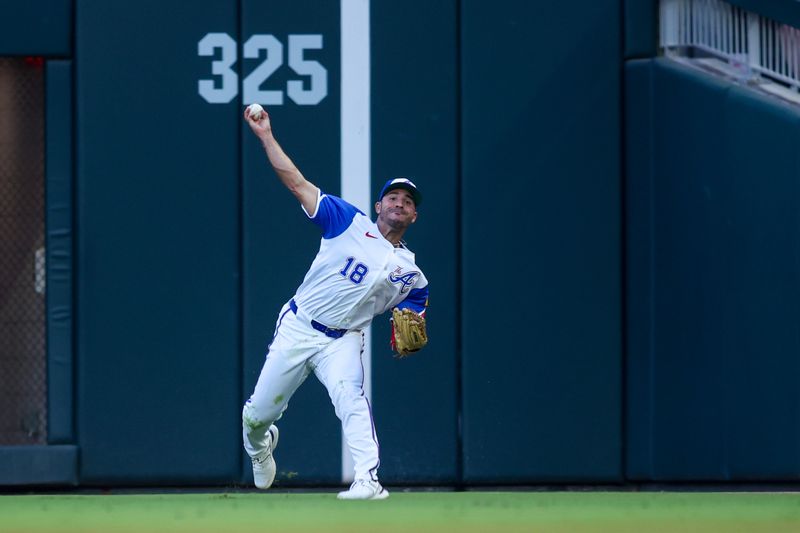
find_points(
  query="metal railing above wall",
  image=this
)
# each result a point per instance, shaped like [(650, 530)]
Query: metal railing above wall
[(749, 47)]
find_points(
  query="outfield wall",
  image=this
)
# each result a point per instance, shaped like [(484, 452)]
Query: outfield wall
[(541, 328), (597, 316), (713, 285)]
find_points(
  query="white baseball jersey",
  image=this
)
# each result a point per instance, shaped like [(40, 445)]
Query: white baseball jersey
[(357, 274)]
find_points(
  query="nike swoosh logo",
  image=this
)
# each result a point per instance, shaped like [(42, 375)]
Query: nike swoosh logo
[(371, 236)]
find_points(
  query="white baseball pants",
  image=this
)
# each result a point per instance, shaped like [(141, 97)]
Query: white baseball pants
[(296, 350)]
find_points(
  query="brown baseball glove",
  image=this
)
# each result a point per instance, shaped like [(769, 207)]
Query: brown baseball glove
[(408, 332)]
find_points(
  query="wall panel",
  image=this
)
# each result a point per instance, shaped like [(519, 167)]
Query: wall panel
[(59, 245), (158, 253), (640, 19), (711, 392), (540, 216), (36, 28)]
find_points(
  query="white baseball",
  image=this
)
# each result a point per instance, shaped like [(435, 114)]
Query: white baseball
[(255, 111)]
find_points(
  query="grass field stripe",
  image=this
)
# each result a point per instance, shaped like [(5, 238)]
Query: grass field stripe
[(355, 149), (417, 511)]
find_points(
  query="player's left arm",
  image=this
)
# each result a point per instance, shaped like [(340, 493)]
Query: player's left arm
[(417, 300)]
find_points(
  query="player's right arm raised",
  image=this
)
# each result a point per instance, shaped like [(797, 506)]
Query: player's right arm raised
[(305, 191)]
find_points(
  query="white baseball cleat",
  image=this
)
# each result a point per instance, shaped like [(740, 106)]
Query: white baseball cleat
[(264, 464), (364, 489)]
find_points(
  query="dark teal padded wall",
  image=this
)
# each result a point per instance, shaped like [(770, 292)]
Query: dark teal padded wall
[(279, 242), (712, 384), (36, 27), (414, 133), (639, 154), (540, 214), (641, 28), (158, 244), (59, 263)]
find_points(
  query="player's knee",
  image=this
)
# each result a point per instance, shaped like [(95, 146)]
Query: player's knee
[(345, 394), (255, 417)]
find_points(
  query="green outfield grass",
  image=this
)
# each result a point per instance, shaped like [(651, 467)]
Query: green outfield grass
[(404, 511)]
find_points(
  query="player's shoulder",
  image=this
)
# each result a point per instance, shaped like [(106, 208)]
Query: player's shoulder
[(334, 215), (338, 203)]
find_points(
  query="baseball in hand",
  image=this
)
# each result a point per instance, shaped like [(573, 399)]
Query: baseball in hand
[(255, 111)]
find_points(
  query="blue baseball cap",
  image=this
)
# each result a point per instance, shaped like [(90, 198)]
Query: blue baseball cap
[(402, 183)]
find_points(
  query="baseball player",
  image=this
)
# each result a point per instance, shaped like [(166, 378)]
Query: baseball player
[(362, 269)]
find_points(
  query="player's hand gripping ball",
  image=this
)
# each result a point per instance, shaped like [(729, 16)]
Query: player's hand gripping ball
[(255, 111), (409, 334)]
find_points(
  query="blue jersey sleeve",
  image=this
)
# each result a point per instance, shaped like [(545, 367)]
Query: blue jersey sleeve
[(417, 301), (333, 215)]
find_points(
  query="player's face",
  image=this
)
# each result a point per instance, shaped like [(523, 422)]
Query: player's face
[(397, 209)]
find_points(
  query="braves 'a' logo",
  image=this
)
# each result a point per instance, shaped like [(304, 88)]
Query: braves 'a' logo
[(407, 280)]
